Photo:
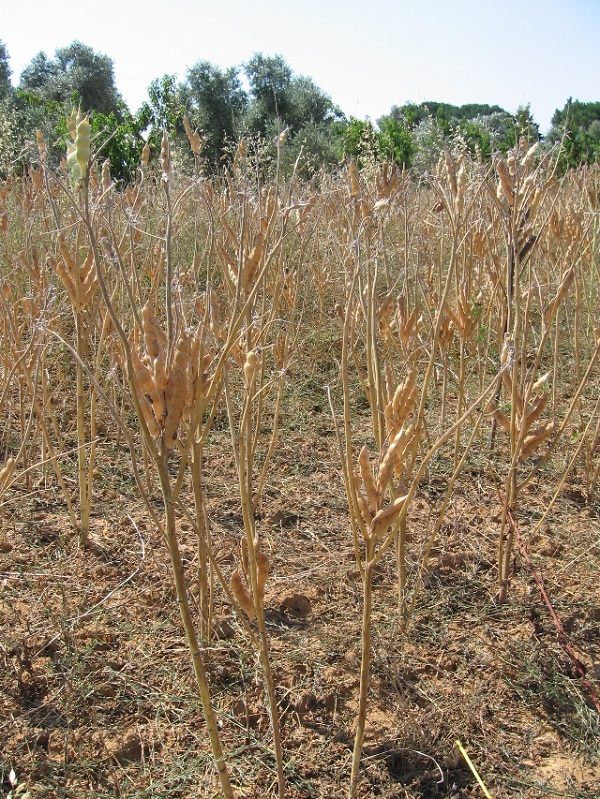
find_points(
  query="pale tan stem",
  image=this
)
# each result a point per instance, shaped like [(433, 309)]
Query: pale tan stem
[(365, 672), (190, 630)]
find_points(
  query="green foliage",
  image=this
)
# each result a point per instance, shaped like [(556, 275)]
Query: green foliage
[(47, 92), (269, 79), (525, 125), (477, 139), (309, 105), (576, 114), (395, 142), (76, 75), (312, 149), (28, 113), (279, 99), (447, 116), (120, 141), (164, 110), (577, 126), (5, 72), (358, 140), (215, 102), (8, 137)]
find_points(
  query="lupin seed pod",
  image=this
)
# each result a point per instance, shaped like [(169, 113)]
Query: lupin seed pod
[(160, 371), (252, 260), (241, 593), (354, 184), (502, 419), (106, 176), (72, 163), (393, 456), (194, 139), (405, 397), (450, 172), (7, 471), (535, 410), (165, 155), (83, 145), (65, 277), (41, 144), (177, 389), (154, 337), (506, 183), (384, 518), (250, 368), (536, 437), (461, 185), (145, 386)]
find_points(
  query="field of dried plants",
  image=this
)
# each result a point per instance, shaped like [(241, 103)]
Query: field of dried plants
[(299, 481)]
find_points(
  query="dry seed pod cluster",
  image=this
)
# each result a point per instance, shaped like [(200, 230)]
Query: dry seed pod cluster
[(378, 518), (456, 177), (167, 391), (407, 324), (80, 280), (241, 586), (519, 193), (401, 403), (301, 211), (531, 436), (361, 205), (462, 318), (386, 181), (561, 293), (194, 138), (228, 245), (165, 156)]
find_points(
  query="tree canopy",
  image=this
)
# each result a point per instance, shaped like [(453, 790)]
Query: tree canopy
[(5, 72), (258, 99), (577, 127), (76, 74), (216, 103)]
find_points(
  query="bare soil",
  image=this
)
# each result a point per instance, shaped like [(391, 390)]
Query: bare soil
[(97, 696)]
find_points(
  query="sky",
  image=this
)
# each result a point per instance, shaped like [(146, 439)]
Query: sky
[(367, 55)]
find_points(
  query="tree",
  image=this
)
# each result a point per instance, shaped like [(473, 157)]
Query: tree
[(281, 100), (5, 72), (395, 141), (576, 126), (37, 75), (76, 75), (525, 125), (359, 141), (216, 103), (576, 114), (309, 105), (163, 110), (269, 79), (120, 141)]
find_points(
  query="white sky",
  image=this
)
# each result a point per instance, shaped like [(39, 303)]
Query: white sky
[(367, 55)]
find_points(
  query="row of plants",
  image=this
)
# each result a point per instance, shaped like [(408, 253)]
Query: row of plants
[(464, 310)]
